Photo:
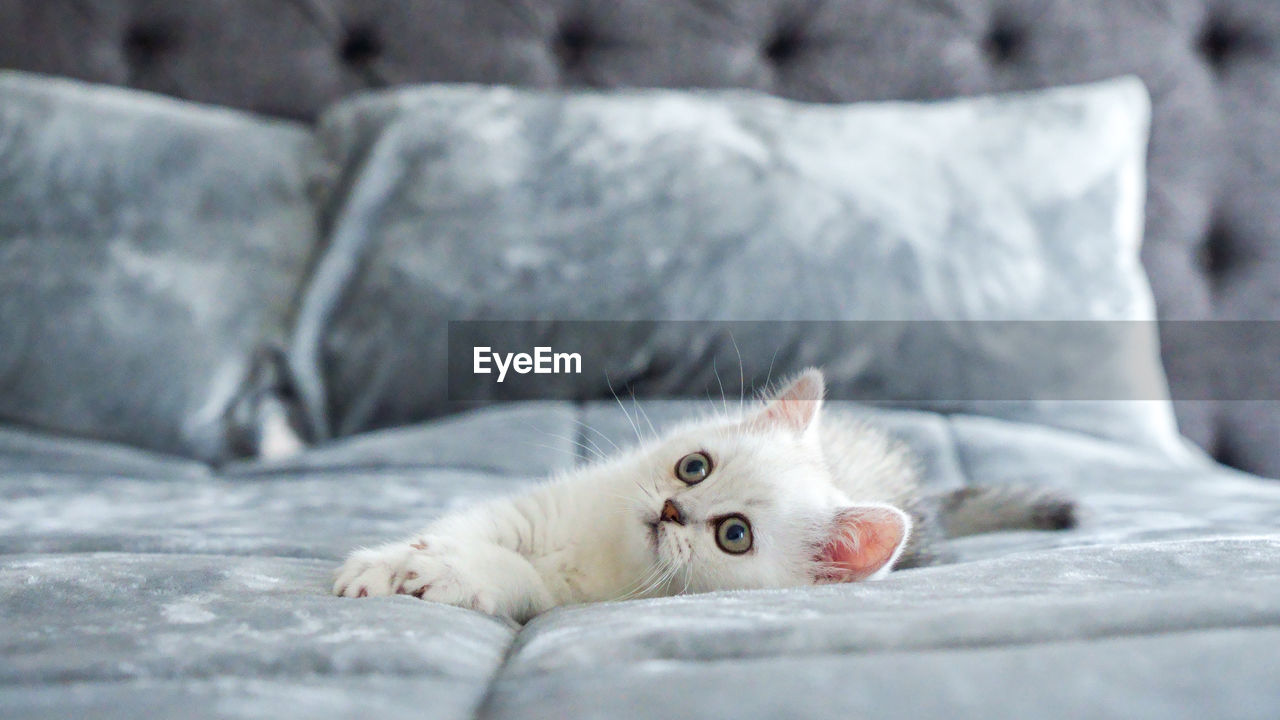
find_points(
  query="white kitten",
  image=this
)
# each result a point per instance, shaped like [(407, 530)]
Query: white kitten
[(778, 496)]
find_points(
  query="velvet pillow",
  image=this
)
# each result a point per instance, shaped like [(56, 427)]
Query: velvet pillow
[(150, 254), (924, 253)]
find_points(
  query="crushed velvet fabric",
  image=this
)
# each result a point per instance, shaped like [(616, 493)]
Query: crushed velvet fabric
[(150, 252), (473, 203), (140, 585)]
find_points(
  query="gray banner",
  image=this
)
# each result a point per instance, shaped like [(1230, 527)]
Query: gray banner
[(932, 362)]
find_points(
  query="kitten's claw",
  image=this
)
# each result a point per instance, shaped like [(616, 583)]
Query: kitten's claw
[(408, 570), (478, 576), (368, 573)]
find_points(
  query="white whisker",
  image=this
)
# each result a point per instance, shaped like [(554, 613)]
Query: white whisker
[(591, 452), (641, 586), (636, 428), (641, 412), (600, 434), (769, 375), (724, 404), (742, 381), (544, 446)]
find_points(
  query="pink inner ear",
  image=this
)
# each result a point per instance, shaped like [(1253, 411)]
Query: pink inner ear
[(863, 541), (796, 405)]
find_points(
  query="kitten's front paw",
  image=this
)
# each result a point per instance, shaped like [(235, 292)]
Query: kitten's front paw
[(440, 573), (369, 573), (475, 575), (444, 578)]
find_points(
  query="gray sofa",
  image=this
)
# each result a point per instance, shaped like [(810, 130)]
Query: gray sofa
[(152, 563)]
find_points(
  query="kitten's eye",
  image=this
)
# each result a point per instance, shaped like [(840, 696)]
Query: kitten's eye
[(733, 534), (693, 468)]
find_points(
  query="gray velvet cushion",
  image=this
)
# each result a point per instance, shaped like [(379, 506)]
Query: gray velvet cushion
[(208, 636), (127, 594), (466, 203), (150, 251)]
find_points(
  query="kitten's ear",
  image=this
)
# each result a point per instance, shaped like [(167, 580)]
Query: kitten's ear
[(864, 542), (794, 407)]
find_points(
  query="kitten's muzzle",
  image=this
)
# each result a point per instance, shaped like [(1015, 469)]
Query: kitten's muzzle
[(671, 512)]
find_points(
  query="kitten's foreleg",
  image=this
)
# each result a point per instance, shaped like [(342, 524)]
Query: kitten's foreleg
[(474, 574)]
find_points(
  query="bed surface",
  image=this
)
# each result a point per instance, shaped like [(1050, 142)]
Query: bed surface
[(139, 584)]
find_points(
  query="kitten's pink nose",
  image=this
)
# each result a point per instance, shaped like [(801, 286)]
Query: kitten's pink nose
[(671, 512)]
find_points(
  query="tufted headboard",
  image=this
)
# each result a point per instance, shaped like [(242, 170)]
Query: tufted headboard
[(1213, 68)]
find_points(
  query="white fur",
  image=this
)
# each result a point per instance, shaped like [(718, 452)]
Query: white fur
[(594, 535)]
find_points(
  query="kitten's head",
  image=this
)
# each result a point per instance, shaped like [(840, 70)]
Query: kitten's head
[(749, 502)]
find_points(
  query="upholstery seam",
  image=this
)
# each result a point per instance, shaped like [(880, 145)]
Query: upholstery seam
[(343, 250), (483, 709)]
